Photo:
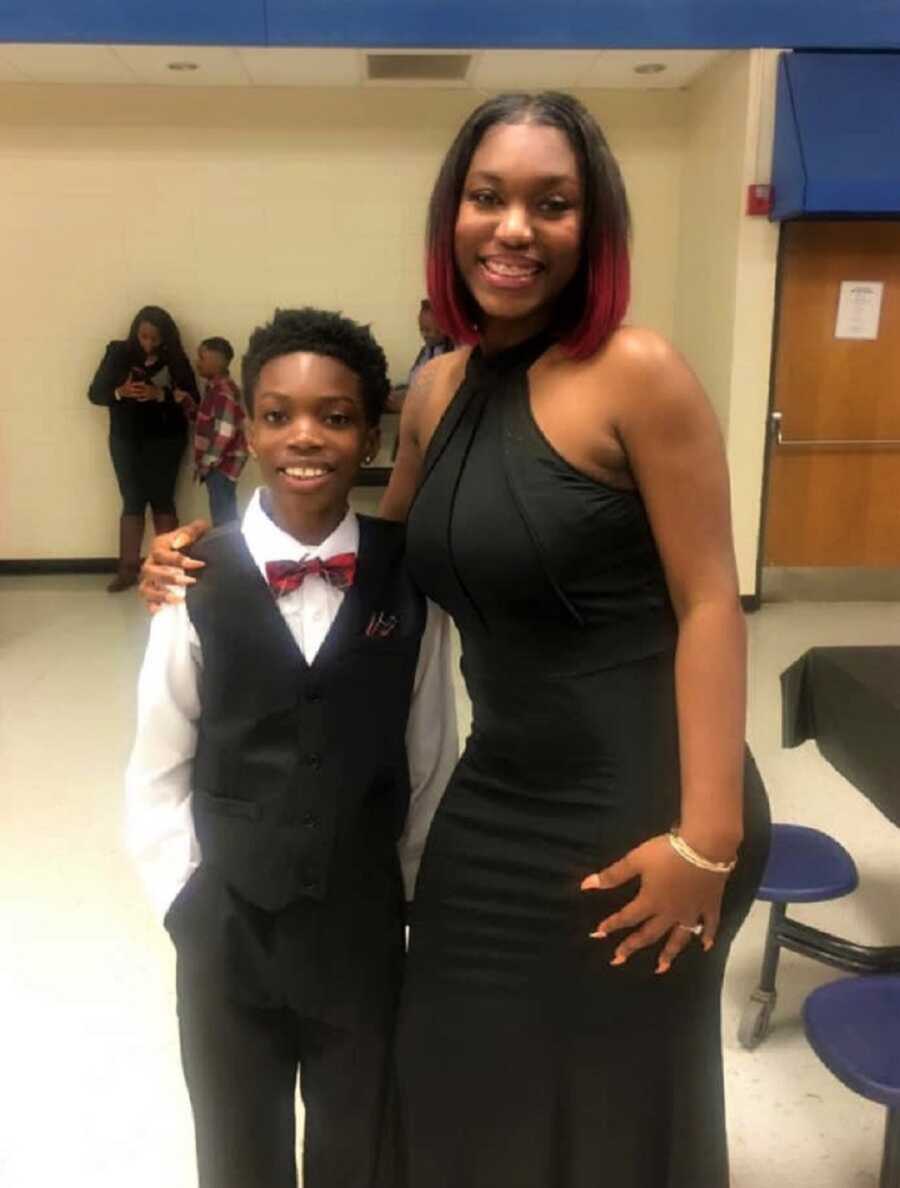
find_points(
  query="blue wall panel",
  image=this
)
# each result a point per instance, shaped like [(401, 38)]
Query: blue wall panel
[(139, 22), (788, 166), (849, 24), (836, 135), (685, 24)]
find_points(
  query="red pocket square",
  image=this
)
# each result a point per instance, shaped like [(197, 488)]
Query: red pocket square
[(380, 625)]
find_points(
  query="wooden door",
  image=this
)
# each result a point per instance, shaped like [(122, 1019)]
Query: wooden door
[(834, 491)]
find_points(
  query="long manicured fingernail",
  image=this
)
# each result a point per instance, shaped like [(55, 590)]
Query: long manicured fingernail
[(591, 883), (599, 934), (663, 967), (618, 959), (707, 945)]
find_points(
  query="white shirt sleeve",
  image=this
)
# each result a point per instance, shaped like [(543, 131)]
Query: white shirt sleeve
[(159, 827), (432, 742)]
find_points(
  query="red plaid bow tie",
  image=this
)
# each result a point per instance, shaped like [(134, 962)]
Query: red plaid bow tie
[(285, 576)]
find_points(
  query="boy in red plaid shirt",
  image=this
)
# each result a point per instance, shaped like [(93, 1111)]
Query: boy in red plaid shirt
[(220, 448)]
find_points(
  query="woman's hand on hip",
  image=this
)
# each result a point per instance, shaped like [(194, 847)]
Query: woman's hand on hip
[(673, 899), (165, 566)]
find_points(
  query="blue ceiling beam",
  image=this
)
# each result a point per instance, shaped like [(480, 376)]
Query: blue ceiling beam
[(515, 24)]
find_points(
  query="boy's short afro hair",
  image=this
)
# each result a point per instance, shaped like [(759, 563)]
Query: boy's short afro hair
[(320, 332), (220, 345)]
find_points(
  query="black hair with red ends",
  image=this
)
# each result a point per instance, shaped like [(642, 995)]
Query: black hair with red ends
[(596, 299)]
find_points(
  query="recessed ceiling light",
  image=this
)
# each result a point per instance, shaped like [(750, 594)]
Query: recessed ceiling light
[(650, 68), (182, 66)]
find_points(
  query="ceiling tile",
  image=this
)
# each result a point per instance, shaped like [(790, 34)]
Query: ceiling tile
[(302, 67), (531, 69), (616, 68), (65, 63), (218, 66), (491, 70)]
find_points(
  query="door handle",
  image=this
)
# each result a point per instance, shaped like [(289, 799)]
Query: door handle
[(776, 420)]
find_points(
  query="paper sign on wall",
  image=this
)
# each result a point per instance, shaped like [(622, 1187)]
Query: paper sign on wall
[(859, 309)]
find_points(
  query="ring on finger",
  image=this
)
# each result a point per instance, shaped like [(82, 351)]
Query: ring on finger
[(696, 929)]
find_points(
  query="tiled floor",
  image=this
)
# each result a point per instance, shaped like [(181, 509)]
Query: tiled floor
[(90, 1087)]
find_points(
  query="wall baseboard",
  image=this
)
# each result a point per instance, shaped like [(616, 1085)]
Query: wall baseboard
[(831, 584), (39, 565), (749, 602)]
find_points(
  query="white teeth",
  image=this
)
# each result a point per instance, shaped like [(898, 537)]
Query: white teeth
[(506, 269), (305, 472)]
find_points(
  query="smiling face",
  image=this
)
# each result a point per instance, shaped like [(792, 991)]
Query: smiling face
[(309, 432), (519, 226)]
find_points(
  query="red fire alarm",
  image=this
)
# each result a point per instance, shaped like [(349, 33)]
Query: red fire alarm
[(759, 200)]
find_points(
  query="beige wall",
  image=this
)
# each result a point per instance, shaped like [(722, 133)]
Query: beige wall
[(753, 323), (725, 287), (712, 168), (220, 205)]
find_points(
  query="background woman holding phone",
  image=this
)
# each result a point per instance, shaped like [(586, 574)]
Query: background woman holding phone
[(147, 428)]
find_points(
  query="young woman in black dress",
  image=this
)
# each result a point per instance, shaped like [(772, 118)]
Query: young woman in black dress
[(567, 501), (136, 380), (565, 486)]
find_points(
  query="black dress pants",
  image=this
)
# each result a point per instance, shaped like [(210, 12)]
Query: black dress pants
[(241, 1064), (146, 470)]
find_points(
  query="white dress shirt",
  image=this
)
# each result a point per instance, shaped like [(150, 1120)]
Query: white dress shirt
[(158, 820)]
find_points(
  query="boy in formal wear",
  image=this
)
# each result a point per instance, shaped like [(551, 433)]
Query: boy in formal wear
[(295, 722)]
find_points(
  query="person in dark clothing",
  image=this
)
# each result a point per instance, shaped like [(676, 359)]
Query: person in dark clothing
[(293, 712), (147, 428), (434, 343)]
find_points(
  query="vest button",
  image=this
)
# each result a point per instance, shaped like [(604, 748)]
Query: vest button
[(314, 694), (311, 821), (314, 760)]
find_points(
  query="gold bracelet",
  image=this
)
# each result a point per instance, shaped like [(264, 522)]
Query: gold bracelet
[(683, 850)]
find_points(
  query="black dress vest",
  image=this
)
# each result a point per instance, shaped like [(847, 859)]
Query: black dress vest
[(301, 782)]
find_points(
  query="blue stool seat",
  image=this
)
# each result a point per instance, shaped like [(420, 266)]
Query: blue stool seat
[(854, 1028), (806, 866)]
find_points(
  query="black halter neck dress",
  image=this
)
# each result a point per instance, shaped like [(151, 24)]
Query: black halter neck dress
[(525, 1060)]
